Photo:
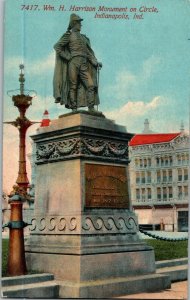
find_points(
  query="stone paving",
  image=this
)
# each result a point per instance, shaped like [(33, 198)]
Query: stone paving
[(179, 290)]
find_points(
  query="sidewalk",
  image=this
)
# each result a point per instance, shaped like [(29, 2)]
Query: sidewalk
[(178, 291)]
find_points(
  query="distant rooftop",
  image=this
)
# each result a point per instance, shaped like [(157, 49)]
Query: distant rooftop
[(153, 138), (45, 119)]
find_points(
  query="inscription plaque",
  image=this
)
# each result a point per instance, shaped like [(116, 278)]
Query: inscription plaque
[(106, 186)]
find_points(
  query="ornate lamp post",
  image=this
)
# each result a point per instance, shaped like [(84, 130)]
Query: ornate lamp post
[(22, 102), (16, 257)]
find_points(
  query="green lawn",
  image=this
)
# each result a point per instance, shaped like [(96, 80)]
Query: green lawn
[(163, 250), (168, 250)]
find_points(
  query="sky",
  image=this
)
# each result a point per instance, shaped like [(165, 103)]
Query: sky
[(146, 64)]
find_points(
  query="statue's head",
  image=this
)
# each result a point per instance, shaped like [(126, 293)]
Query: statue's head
[(75, 22)]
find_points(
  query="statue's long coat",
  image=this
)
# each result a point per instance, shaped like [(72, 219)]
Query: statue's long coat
[(61, 79)]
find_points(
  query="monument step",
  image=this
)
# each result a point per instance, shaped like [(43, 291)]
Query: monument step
[(176, 273), (26, 279), (46, 289), (43, 286), (170, 263), (114, 287)]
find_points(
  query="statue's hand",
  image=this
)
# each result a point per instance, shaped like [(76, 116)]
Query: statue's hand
[(94, 62), (99, 65)]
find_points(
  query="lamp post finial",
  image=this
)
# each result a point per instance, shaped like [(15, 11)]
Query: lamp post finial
[(21, 79)]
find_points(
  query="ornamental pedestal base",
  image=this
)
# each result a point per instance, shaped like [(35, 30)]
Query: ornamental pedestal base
[(83, 230)]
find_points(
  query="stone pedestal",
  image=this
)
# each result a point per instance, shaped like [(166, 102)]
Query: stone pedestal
[(83, 230)]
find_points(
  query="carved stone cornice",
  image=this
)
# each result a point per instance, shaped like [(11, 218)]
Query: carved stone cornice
[(81, 147), (109, 224), (85, 224)]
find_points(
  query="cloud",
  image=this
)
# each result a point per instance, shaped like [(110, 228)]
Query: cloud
[(136, 108), (149, 67), (12, 63), (40, 103), (123, 82), (127, 83), (42, 66), (37, 67), (133, 113)]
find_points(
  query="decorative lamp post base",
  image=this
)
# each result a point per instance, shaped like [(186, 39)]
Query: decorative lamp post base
[(16, 259)]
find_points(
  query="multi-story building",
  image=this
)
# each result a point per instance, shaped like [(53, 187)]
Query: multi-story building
[(159, 179)]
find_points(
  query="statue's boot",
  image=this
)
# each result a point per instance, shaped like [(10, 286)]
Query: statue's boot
[(90, 98), (73, 98), (57, 100)]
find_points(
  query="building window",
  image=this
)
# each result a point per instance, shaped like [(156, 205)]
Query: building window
[(136, 162), (179, 175), (165, 193), (185, 174), (143, 195), (170, 192), (138, 196), (159, 194), (149, 162), (148, 177), (143, 177), (179, 160), (141, 163), (166, 161), (164, 176), (183, 160), (145, 163), (157, 161), (171, 160), (180, 192), (162, 162), (137, 177), (170, 175), (186, 191), (149, 193), (158, 176)]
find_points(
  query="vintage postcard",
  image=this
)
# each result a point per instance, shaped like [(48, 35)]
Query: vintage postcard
[(95, 149)]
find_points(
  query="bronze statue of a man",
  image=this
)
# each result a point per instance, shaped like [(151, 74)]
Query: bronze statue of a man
[(75, 76)]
